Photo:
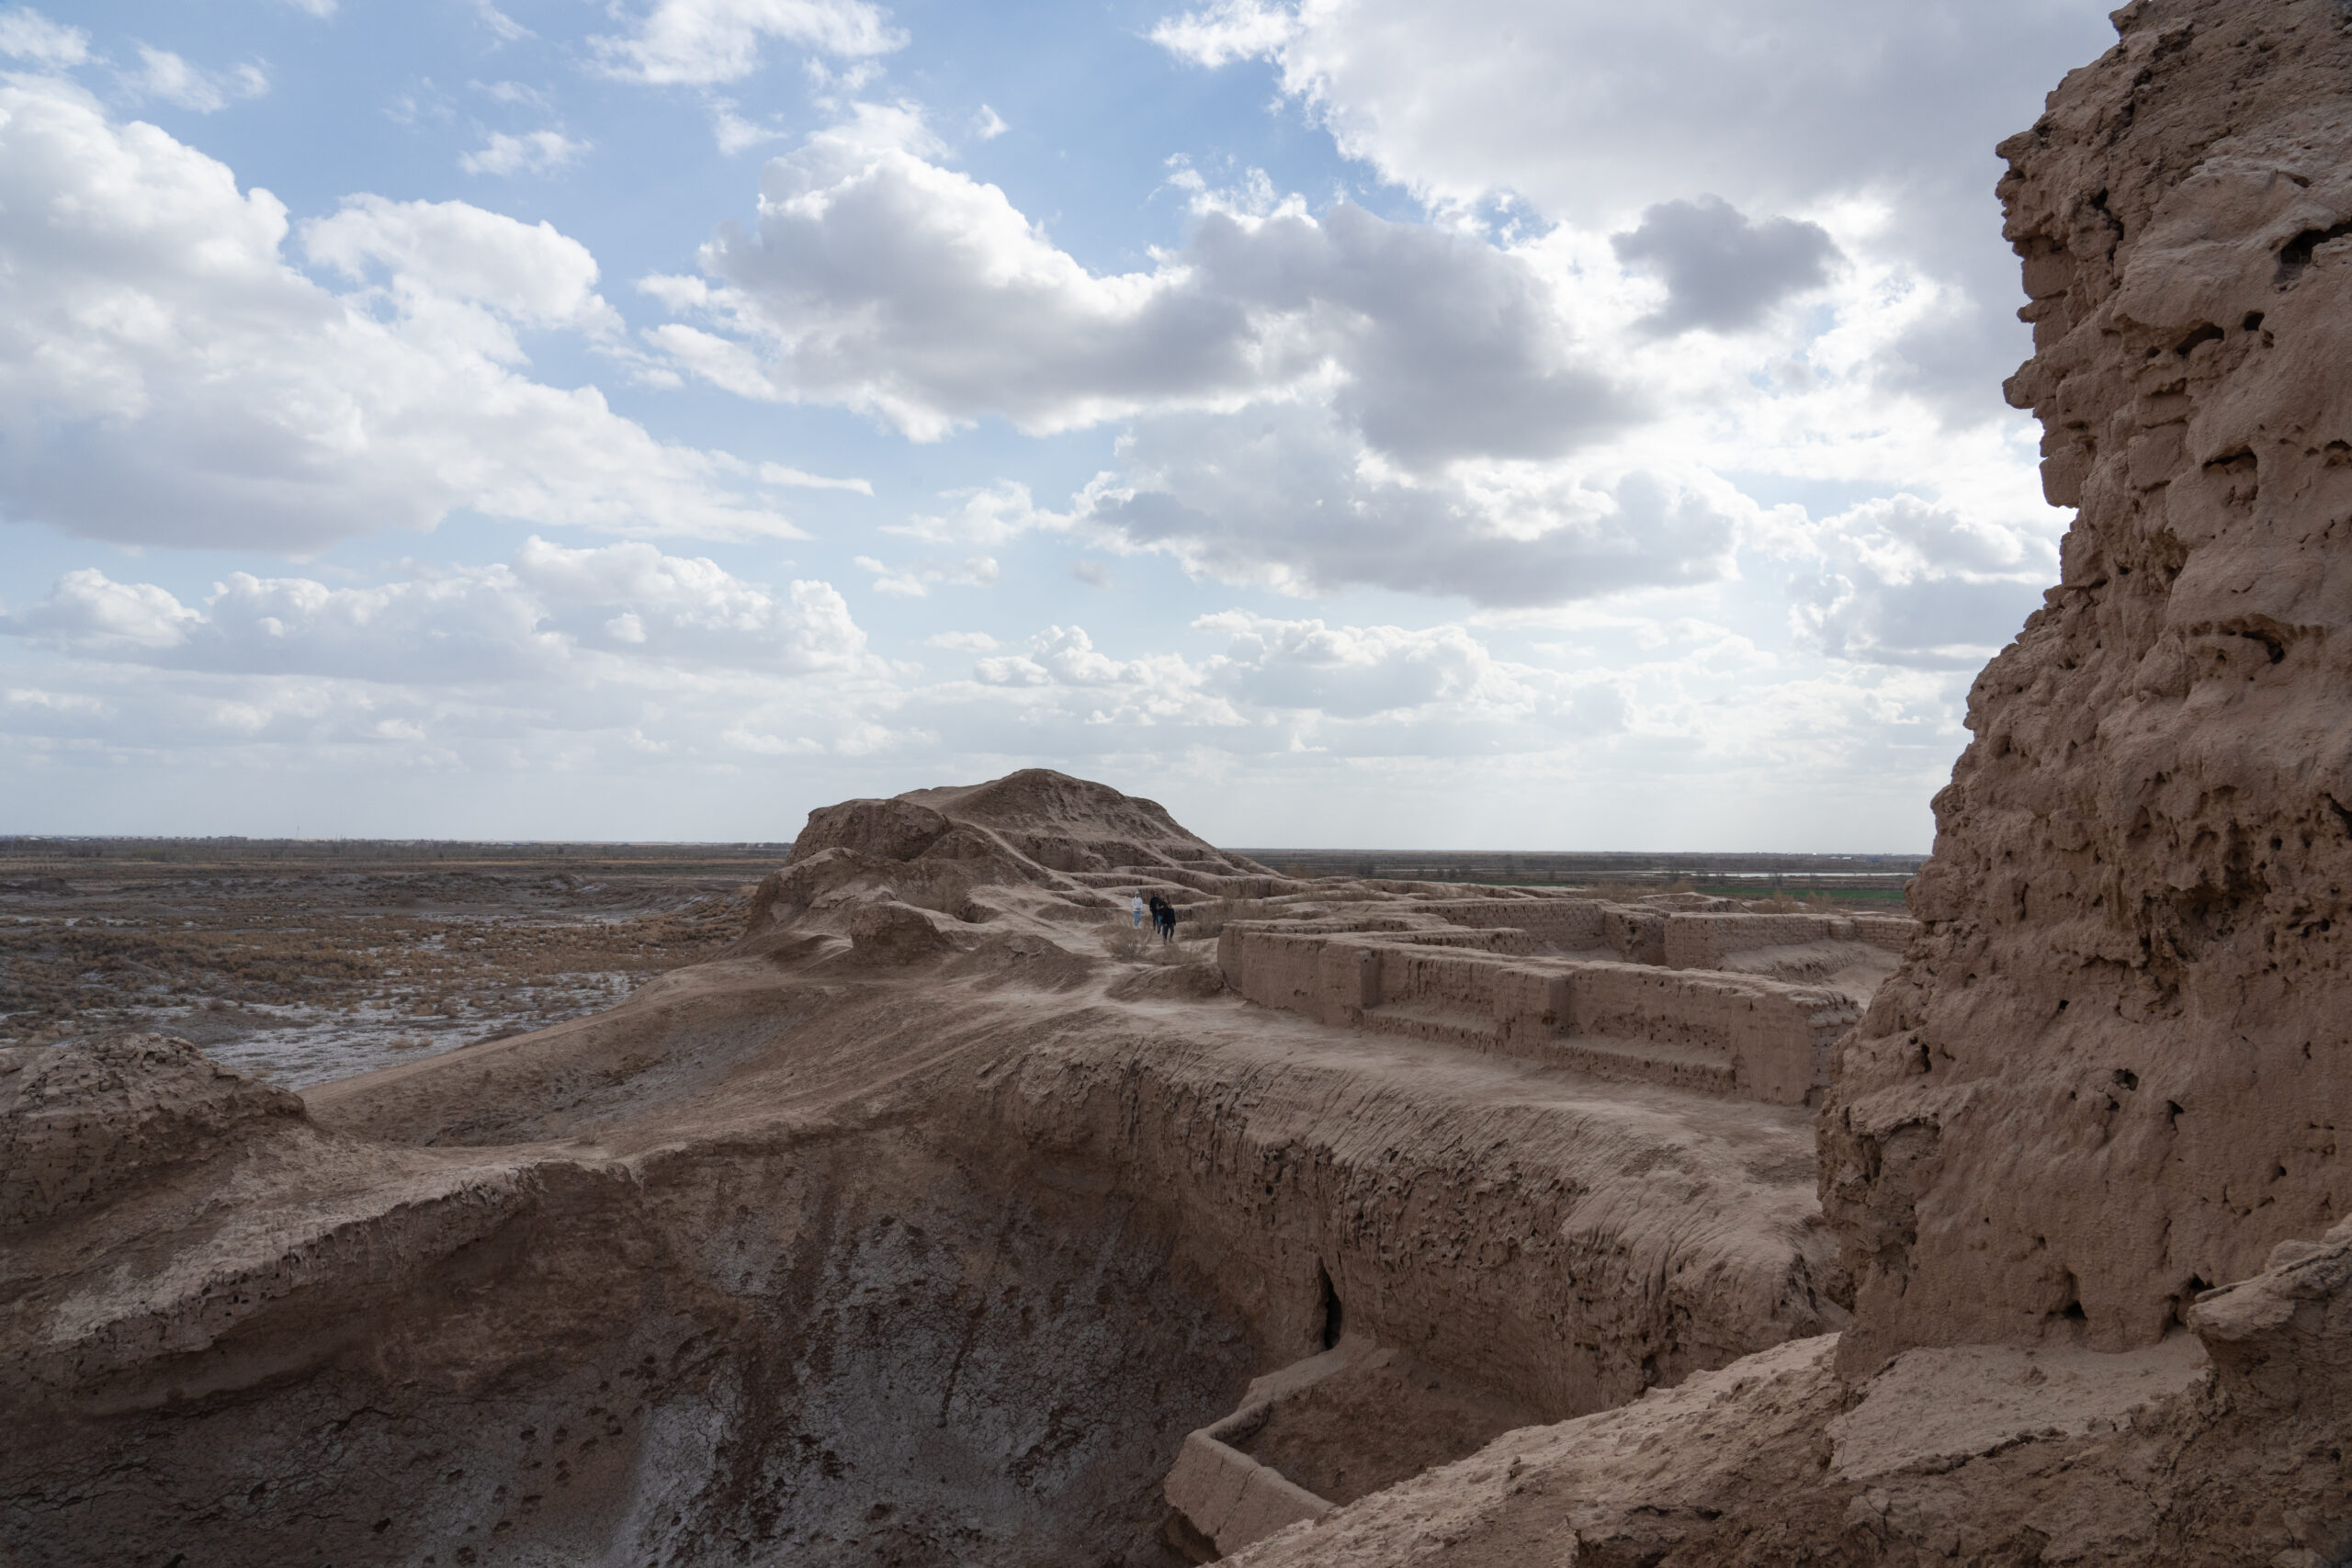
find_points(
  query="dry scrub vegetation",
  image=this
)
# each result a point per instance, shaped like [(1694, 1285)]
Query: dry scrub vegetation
[(310, 973)]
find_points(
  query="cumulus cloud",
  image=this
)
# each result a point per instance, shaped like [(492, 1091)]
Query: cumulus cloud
[(1721, 271), (435, 252), (88, 613), (1591, 113), (26, 34), (1287, 501), (882, 281), (166, 77), (1314, 400), (1273, 687), (706, 42), (532, 153), (167, 377), (1905, 583), (1226, 31), (536, 616)]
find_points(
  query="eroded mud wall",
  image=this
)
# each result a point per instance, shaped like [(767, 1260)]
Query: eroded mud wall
[(2114, 1069), (816, 1351)]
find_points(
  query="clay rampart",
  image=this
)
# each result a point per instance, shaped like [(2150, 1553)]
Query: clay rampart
[(1704, 941), (1775, 1037), (1758, 1039), (1569, 924)]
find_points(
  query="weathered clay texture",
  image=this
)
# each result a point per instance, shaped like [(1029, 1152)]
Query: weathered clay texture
[(922, 1230), (2116, 1069)]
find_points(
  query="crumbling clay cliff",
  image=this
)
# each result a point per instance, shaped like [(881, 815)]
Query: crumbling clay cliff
[(2113, 1074)]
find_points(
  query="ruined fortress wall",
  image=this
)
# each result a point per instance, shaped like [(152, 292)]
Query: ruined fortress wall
[(1499, 1235), (1774, 1036), (1571, 925), (2115, 1069), (1703, 942)]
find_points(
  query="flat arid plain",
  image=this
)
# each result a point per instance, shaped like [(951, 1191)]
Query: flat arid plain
[(898, 1199)]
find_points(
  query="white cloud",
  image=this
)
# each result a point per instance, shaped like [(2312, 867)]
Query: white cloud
[(166, 378), (1226, 31), (319, 8), (503, 28), (654, 668), (917, 580), (515, 93), (89, 613), (547, 613), (1315, 402), (26, 34), (1287, 500), (794, 478), (532, 153), (735, 134), (165, 75), (989, 514), (882, 281), (705, 42), (1591, 113), (1905, 583), (987, 125), (452, 252)]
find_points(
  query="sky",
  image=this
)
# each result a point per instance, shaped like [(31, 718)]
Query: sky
[(1546, 425)]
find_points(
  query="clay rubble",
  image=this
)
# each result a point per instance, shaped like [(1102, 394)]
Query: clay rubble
[(945, 1220)]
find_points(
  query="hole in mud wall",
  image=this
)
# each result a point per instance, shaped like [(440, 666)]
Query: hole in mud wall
[(1327, 1336), (2205, 333)]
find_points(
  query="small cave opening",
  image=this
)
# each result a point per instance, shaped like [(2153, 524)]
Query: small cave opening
[(2204, 333), (1332, 1321)]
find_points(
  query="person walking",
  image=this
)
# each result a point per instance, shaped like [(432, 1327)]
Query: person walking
[(1136, 910), (1167, 920)]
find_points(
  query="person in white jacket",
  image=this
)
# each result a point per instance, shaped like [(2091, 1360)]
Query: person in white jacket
[(1135, 911)]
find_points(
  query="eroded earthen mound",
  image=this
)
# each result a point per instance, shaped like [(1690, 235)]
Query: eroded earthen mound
[(82, 1126)]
